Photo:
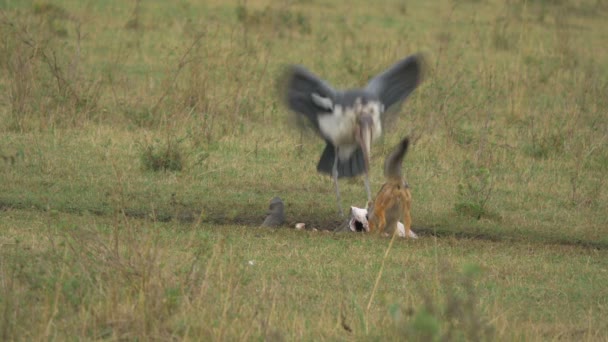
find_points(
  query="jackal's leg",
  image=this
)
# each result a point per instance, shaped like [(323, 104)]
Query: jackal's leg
[(380, 221), (407, 218)]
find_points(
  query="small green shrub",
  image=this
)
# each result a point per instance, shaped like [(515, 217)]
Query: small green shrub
[(502, 38), (474, 190), (542, 147), (156, 157), (455, 315), (276, 19), (424, 326)]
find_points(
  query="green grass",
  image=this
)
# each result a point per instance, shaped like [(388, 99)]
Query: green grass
[(123, 278), (141, 142)]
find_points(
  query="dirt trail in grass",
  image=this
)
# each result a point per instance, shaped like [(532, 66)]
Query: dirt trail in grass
[(254, 218)]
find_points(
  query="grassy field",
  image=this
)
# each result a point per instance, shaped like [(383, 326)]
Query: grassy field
[(141, 142)]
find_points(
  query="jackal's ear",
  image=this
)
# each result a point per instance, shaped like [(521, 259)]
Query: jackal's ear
[(396, 83)]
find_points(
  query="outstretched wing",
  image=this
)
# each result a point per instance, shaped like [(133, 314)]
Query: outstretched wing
[(396, 83), (306, 94)]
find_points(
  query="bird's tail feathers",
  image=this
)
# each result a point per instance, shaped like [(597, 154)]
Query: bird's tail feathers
[(352, 167)]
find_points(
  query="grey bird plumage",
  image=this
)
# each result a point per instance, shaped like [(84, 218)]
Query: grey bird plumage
[(276, 213), (349, 120)]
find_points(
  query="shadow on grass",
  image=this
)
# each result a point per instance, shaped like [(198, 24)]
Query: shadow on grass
[(253, 217)]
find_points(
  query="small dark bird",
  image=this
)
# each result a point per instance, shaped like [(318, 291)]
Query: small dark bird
[(276, 213), (349, 120)]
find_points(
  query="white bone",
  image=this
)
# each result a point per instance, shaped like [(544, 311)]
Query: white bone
[(360, 215)]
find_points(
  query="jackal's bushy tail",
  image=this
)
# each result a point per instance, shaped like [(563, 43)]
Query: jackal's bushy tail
[(392, 164)]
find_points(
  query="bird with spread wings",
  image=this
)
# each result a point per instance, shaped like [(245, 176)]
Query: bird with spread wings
[(349, 120)]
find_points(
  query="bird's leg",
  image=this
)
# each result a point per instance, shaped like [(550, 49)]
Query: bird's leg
[(335, 177), (367, 188)]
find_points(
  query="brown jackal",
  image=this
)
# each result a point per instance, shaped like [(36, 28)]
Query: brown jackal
[(394, 200)]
